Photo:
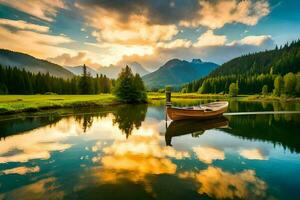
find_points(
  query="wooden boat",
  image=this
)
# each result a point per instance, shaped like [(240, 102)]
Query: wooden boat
[(202, 112), (194, 127)]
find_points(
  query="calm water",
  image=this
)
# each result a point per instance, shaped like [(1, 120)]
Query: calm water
[(129, 152)]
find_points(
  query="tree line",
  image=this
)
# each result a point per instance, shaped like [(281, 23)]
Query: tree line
[(16, 81), (265, 84)]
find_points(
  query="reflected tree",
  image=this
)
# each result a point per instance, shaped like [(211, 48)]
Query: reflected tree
[(278, 129), (129, 117)]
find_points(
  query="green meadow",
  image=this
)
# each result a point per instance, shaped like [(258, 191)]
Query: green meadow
[(29, 103)]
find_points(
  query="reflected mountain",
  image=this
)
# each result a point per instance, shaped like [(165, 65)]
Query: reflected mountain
[(194, 127)]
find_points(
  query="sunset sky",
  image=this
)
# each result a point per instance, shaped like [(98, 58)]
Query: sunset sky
[(105, 32)]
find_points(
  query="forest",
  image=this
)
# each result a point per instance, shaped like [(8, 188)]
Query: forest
[(274, 70), (16, 81)]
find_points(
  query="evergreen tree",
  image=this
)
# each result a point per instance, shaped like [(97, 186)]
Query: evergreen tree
[(85, 83), (29, 83), (130, 88)]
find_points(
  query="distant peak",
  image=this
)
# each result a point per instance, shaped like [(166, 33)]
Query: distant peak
[(173, 61), (196, 60)]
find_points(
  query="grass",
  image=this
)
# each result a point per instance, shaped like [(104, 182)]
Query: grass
[(24, 103)]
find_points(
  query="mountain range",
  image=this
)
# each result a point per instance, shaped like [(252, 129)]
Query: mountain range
[(174, 72), (32, 64), (35, 65), (111, 72), (177, 72), (78, 70)]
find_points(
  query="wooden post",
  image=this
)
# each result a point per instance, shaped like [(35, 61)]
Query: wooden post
[(168, 104), (168, 98)]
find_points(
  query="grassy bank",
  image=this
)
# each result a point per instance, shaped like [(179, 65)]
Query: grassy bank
[(25, 103)]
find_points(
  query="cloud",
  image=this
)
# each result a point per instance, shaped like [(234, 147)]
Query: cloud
[(216, 53), (47, 188), (113, 53), (156, 11), (215, 14), (208, 154), (42, 45), (145, 30), (42, 9), (20, 24), (135, 158), (217, 183), (68, 60), (253, 154), (256, 40), (33, 145), (136, 31), (175, 44), (21, 170), (210, 39)]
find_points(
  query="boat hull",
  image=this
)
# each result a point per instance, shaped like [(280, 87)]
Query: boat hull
[(182, 114)]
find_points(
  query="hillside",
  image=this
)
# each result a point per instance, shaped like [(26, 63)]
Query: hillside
[(279, 61), (32, 64), (251, 72), (176, 72)]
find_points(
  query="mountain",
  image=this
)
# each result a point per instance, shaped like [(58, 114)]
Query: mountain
[(79, 70), (138, 68), (32, 64), (113, 71), (176, 72)]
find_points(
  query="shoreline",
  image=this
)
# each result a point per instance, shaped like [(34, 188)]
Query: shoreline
[(14, 104)]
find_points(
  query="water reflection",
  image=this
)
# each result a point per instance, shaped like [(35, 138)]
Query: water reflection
[(220, 184), (130, 117), (126, 152), (193, 127)]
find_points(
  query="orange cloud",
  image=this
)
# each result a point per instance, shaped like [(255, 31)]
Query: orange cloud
[(175, 44), (68, 60), (210, 39), (34, 145), (42, 9), (42, 45), (21, 170), (208, 154), (136, 30), (135, 158), (42, 189), (20, 24), (253, 154), (217, 183), (216, 14), (255, 40)]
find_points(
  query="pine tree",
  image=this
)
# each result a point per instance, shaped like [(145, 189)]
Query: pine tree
[(85, 83), (130, 88)]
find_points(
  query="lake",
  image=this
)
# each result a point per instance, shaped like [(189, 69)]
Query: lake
[(132, 152)]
